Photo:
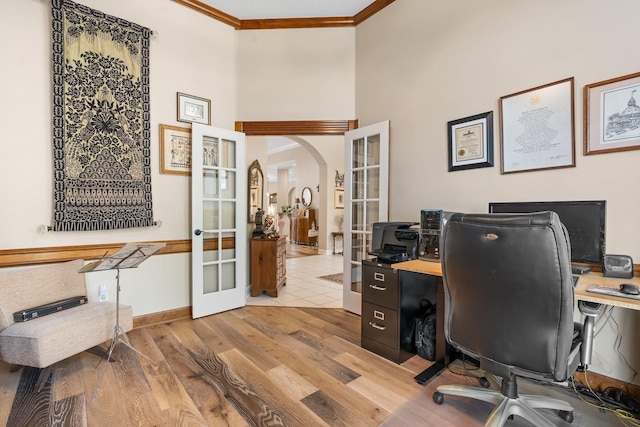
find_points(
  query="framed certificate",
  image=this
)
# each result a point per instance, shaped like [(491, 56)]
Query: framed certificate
[(538, 128), (471, 142)]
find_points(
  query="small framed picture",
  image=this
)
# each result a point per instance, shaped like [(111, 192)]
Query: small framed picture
[(338, 198), (611, 115), (471, 142), (175, 150), (192, 109)]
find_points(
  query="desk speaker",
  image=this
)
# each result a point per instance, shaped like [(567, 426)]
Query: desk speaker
[(618, 266)]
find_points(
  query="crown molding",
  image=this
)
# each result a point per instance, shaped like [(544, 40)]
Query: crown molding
[(371, 10), (211, 12), (271, 24)]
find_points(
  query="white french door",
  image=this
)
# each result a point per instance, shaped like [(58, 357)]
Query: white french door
[(366, 202), (218, 216)]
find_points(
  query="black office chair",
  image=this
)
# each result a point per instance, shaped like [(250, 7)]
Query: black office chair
[(509, 305)]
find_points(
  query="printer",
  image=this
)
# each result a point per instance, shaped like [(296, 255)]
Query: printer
[(393, 242)]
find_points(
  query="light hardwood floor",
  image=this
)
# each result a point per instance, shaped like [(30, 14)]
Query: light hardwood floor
[(250, 366)]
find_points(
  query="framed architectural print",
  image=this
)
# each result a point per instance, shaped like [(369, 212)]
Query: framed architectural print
[(612, 115), (538, 128), (471, 142), (175, 150), (192, 109)]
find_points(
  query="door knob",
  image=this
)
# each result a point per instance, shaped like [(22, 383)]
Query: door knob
[(197, 232)]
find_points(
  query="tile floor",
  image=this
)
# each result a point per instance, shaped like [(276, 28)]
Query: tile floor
[(303, 287)]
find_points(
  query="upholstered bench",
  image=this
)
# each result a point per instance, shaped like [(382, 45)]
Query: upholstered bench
[(43, 341)]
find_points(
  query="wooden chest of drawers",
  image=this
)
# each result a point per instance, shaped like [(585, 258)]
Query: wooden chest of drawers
[(301, 228), (268, 265)]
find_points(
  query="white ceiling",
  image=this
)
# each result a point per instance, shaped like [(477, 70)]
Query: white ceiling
[(274, 9)]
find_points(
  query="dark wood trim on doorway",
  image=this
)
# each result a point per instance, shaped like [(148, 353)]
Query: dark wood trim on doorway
[(301, 127)]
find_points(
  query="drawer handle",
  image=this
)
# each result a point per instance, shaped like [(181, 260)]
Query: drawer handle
[(378, 288), (378, 276), (378, 327)]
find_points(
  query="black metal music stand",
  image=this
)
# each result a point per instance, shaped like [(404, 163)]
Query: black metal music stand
[(130, 255)]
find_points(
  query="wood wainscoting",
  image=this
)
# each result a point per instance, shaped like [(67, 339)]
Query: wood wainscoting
[(48, 255)]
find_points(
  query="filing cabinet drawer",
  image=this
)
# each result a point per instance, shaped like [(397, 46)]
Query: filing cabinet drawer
[(380, 324), (380, 286)]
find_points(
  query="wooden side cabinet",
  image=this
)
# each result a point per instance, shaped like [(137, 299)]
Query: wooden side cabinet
[(268, 265), (301, 229)]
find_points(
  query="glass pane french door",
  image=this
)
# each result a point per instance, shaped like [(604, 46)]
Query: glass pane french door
[(219, 194), (366, 202)]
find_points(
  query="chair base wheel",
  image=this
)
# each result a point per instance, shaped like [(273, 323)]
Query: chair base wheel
[(484, 382), (438, 398), (567, 416)]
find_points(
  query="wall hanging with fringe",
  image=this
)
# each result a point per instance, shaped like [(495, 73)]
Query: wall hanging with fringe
[(101, 132)]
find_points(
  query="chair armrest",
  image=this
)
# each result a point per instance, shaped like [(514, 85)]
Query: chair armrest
[(591, 311)]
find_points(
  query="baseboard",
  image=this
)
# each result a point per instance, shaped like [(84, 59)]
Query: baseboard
[(161, 317), (599, 382)]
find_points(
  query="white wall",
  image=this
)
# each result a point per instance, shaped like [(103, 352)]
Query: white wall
[(300, 74), (296, 74), (189, 53), (422, 64), (418, 64), (331, 149)]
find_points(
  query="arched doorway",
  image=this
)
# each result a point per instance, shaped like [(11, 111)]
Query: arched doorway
[(302, 132)]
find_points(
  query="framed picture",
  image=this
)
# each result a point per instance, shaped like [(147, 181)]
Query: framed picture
[(611, 115), (471, 142), (338, 198), (192, 109), (175, 150), (538, 128)]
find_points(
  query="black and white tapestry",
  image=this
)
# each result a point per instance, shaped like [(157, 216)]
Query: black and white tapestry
[(101, 132)]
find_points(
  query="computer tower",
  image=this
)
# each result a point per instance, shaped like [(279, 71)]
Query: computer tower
[(431, 224)]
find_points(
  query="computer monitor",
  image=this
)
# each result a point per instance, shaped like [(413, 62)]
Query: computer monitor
[(584, 221)]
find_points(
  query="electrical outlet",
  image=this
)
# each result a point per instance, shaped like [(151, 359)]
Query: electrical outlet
[(103, 293)]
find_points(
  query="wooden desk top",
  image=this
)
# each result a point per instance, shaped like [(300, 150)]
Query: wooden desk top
[(435, 269), (590, 279), (432, 268)]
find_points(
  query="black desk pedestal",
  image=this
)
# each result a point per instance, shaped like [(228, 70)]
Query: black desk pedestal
[(390, 304), (443, 350)]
